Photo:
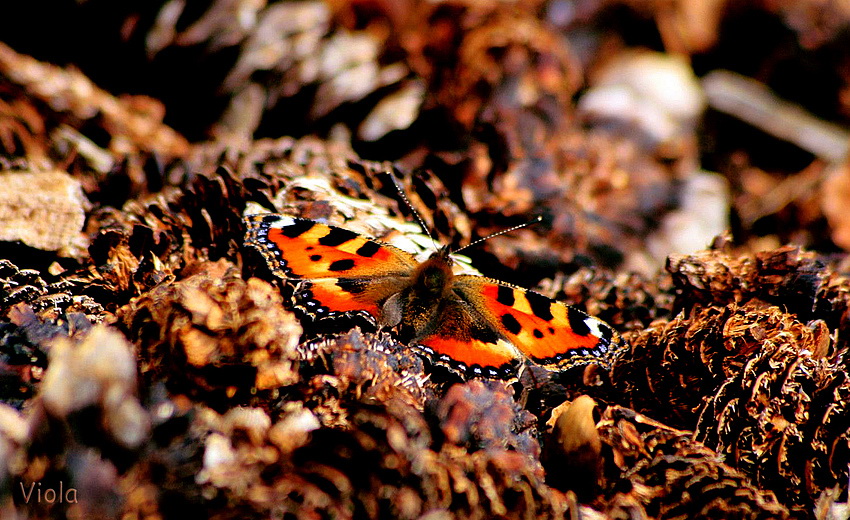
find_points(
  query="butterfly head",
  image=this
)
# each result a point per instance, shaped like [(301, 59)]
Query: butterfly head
[(443, 254), (434, 276)]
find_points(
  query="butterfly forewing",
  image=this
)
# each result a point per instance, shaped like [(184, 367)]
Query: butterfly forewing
[(336, 271), (304, 249)]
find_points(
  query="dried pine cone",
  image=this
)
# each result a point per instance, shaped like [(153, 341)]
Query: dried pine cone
[(698, 353), (374, 367), (759, 389), (214, 336), (84, 429), (795, 279), (58, 303), (781, 417), (670, 475), (483, 416), (32, 313)]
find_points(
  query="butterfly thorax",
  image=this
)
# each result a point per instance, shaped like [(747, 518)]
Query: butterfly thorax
[(420, 303), (433, 278)]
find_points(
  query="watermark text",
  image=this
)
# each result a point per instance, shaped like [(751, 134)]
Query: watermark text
[(35, 493)]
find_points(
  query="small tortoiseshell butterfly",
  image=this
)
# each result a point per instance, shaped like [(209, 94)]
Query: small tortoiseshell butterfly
[(475, 326)]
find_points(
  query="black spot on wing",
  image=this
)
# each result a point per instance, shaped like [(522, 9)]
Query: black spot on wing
[(505, 296), (341, 265), (540, 305), (297, 228), (315, 258), (510, 323), (368, 249), (577, 322), (337, 236), (537, 333)]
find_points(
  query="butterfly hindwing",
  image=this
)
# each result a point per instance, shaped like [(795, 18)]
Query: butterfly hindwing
[(324, 298), (465, 343)]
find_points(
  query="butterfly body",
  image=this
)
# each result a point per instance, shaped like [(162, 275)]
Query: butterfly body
[(473, 325)]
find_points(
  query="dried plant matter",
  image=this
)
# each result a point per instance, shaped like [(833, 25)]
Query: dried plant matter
[(45, 210), (785, 404), (673, 476), (138, 120), (214, 336)]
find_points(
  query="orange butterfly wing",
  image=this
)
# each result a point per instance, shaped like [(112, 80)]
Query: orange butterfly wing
[(341, 270)]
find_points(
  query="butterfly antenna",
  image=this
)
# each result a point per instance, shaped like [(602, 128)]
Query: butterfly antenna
[(400, 190), (502, 232)]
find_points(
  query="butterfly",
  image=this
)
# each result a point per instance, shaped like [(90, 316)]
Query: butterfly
[(472, 325)]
